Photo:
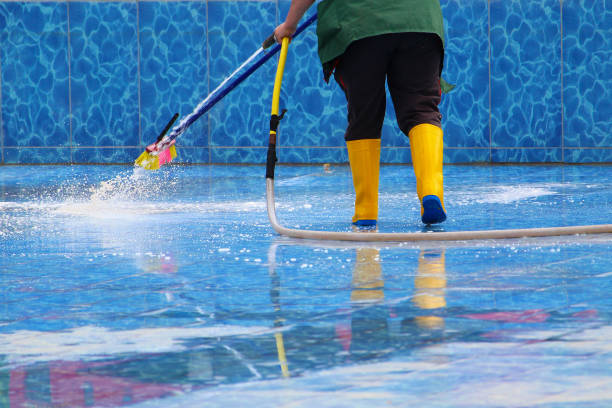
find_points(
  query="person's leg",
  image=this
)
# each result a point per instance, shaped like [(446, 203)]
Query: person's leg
[(414, 84), (414, 80), (361, 74)]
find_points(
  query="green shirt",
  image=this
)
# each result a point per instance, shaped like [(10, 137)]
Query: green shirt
[(340, 22), (343, 21)]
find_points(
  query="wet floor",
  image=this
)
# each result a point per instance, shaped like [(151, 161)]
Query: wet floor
[(170, 289)]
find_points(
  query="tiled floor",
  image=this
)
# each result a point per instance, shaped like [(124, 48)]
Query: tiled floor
[(170, 289)]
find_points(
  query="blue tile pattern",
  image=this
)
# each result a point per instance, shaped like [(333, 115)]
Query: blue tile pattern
[(525, 73), (173, 67), (226, 155), (104, 73), (527, 155), (194, 155), (235, 31), (395, 155), (37, 155), (77, 78), (465, 111), (587, 72), (467, 155), (34, 56), (586, 155), (316, 114), (313, 155), (101, 155)]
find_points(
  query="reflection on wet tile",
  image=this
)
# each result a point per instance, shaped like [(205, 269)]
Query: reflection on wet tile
[(169, 289)]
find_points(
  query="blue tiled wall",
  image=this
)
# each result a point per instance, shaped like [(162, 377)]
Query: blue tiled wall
[(94, 82), (526, 80)]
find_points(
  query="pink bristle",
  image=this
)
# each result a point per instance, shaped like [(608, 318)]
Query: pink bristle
[(164, 157)]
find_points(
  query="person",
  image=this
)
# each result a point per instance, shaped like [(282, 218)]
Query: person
[(364, 43)]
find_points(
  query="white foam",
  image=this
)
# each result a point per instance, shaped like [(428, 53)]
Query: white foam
[(504, 194), (29, 346), (121, 209)]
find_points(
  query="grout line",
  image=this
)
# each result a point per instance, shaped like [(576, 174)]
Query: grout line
[(475, 148), (1, 118), (207, 61), (562, 90), (138, 76), (490, 87), (69, 56)]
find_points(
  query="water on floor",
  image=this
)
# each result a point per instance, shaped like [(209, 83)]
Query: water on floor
[(170, 289)]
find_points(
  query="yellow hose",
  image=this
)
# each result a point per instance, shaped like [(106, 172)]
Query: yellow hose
[(278, 80)]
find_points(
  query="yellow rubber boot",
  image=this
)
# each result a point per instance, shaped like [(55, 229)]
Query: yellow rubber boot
[(364, 158), (427, 148)]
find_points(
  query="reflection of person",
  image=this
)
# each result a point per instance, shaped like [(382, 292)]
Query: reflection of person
[(367, 42), (370, 332), (368, 283), (369, 327), (429, 288)]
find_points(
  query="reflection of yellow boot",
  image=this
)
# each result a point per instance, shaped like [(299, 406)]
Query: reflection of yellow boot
[(430, 284), (364, 158), (427, 150), (368, 284)]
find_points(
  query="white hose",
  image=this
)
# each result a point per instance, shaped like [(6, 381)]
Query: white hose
[(424, 236)]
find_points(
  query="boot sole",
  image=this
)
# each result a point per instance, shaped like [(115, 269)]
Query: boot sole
[(433, 213), (365, 223)]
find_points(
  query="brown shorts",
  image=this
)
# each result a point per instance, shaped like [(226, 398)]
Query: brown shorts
[(411, 64)]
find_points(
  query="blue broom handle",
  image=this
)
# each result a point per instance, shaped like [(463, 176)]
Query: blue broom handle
[(218, 94)]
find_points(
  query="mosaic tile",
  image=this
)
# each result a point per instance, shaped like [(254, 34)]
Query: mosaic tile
[(587, 73), (36, 155), (34, 56), (526, 155), (123, 51), (104, 69), (316, 110), (395, 155), (465, 110), (236, 31), (305, 155), (101, 155), (525, 73), (173, 67), (467, 155), (587, 155), (237, 155), (391, 135), (303, 127), (399, 155), (316, 113), (192, 155)]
